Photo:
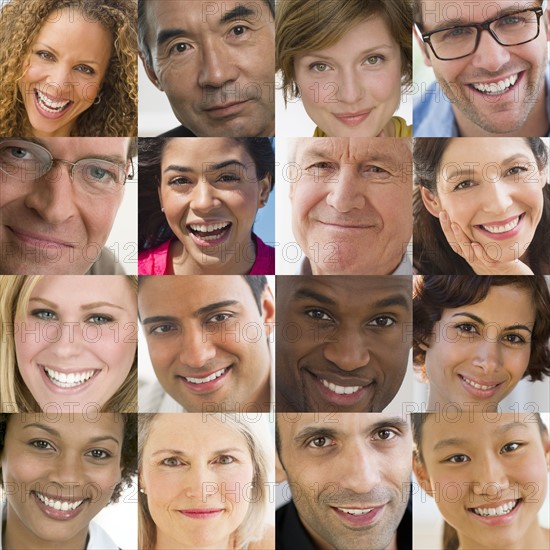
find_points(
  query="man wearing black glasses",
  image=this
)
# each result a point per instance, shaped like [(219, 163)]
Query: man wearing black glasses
[(58, 202), (490, 60)]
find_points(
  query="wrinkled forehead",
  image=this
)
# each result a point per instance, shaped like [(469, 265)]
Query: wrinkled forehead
[(436, 13)]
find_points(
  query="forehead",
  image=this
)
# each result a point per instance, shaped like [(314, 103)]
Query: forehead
[(185, 296), (497, 150), (204, 151), (193, 15), (69, 148), (437, 12), (349, 294), (391, 150)]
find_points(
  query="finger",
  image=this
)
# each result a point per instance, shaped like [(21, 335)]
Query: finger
[(448, 232)]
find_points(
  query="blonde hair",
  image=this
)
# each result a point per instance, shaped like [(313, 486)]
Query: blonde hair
[(116, 113), (15, 292), (256, 433)]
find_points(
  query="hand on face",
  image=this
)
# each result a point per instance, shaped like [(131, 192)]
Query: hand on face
[(476, 256)]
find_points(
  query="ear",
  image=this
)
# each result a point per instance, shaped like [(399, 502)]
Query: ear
[(423, 346), (546, 445), (160, 196), (422, 475), (431, 201), (265, 189), (268, 310), (424, 48), (280, 474), (150, 73)]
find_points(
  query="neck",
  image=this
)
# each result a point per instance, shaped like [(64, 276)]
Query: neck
[(536, 538)]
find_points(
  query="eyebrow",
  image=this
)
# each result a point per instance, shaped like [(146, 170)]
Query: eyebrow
[(500, 430), (92, 305), (309, 431), (198, 313), (479, 320), (183, 453), (55, 433), (315, 53), (388, 301), (238, 12), (211, 167)]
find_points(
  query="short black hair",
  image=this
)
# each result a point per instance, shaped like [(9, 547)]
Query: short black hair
[(257, 284)]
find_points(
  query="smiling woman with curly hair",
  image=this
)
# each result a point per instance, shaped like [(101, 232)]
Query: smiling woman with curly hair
[(70, 68)]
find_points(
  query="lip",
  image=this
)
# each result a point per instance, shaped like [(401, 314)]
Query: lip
[(498, 97), (60, 515), (47, 114), (480, 393), (201, 242), (342, 400), (353, 119), (346, 226), (497, 520), (364, 520), (54, 388), (201, 513), (206, 387), (38, 240), (506, 234), (222, 110)]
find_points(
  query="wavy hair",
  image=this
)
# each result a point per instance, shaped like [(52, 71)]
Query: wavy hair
[(116, 114), (256, 433), (15, 291)]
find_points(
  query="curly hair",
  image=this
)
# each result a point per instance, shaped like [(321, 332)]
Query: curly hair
[(434, 293), (116, 113), (128, 457)]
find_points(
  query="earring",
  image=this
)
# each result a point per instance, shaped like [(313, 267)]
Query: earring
[(97, 100), (162, 210), (142, 491)]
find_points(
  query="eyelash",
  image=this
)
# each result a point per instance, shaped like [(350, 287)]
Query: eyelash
[(518, 339), (326, 439), (44, 445), (44, 314), (174, 461), (316, 314), (47, 56), (226, 316), (49, 315), (379, 59), (159, 330)]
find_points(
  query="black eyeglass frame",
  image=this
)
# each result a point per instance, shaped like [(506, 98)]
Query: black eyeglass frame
[(128, 175), (480, 27)]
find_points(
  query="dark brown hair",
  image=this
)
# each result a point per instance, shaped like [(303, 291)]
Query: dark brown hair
[(434, 293), (432, 253)]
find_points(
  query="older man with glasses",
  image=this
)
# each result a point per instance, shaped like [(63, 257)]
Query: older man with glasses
[(58, 202), (490, 60)]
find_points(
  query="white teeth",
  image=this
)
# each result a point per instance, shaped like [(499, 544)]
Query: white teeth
[(502, 228), (355, 511), (62, 505), (208, 228), (496, 88), (502, 510), (68, 380), (49, 105), (478, 386), (213, 376), (340, 389)]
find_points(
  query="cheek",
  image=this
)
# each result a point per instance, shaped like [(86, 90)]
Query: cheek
[(385, 87), (98, 223), (29, 341), (305, 199)]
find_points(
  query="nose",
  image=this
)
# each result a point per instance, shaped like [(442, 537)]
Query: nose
[(350, 88), (59, 81), (488, 354), (197, 482), (66, 470), (358, 469), (345, 192), (489, 476), (196, 348), (66, 339), (490, 55), (347, 349), (498, 197), (204, 197), (52, 197), (217, 66)]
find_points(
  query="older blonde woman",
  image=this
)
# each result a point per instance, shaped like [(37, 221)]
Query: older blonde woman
[(70, 68), (204, 481), (68, 342)]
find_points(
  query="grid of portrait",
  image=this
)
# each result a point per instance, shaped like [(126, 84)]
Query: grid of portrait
[(192, 357)]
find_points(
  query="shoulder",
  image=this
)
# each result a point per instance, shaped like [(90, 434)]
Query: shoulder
[(433, 113), (180, 131), (265, 258), (99, 539), (402, 129), (267, 542), (153, 260)]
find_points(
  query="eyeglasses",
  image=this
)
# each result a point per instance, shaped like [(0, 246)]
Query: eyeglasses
[(27, 161), (461, 41)]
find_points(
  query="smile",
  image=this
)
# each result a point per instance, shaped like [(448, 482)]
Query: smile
[(497, 88), (476, 385), (70, 380), (502, 510), (63, 505), (210, 232), (356, 511), (213, 376), (49, 105), (496, 229), (341, 390)]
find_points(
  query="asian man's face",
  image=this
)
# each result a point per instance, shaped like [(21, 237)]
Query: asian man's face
[(342, 342)]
